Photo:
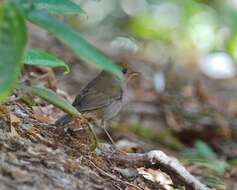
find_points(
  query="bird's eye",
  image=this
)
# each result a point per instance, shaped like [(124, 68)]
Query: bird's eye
[(124, 70)]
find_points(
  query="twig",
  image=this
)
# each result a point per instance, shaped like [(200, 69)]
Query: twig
[(169, 165), (113, 176)]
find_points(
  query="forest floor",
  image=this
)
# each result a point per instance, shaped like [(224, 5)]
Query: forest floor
[(193, 120)]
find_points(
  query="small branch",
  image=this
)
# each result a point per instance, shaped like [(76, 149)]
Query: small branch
[(113, 176), (169, 165)]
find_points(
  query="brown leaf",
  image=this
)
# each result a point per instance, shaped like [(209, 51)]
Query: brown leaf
[(40, 117), (14, 119)]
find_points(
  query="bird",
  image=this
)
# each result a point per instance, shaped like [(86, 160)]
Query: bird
[(102, 97)]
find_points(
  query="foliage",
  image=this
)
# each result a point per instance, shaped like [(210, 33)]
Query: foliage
[(39, 58), (73, 40), (202, 155), (12, 45), (215, 182), (51, 97), (58, 6)]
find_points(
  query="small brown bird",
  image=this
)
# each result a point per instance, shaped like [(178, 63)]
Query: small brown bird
[(102, 97)]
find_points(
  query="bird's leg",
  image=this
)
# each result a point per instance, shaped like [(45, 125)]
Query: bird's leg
[(103, 125)]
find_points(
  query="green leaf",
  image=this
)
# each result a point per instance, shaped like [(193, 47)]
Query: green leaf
[(204, 156), (40, 58), (51, 97), (215, 182), (204, 150), (231, 45), (12, 44), (73, 40), (58, 6), (217, 166)]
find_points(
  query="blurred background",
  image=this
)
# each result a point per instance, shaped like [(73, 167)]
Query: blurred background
[(155, 34), (198, 33), (185, 101)]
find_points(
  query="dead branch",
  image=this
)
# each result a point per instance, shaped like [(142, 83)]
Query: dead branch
[(168, 164)]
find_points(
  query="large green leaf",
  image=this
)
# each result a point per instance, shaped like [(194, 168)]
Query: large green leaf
[(58, 6), (51, 6), (12, 44), (40, 58), (73, 40), (51, 97)]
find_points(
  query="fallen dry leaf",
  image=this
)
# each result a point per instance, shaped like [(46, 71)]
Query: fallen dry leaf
[(40, 117), (157, 176)]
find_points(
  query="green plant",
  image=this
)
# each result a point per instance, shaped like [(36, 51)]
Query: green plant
[(13, 52), (203, 156)]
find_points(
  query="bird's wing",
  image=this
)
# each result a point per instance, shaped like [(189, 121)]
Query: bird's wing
[(93, 101), (99, 93), (93, 98)]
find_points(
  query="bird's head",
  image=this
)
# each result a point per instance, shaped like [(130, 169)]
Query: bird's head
[(128, 73)]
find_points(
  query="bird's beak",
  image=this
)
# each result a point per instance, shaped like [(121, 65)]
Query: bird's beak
[(133, 74)]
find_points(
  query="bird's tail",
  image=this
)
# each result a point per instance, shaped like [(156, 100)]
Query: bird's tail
[(63, 120)]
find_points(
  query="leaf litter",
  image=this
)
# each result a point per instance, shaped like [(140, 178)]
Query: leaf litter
[(37, 155)]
